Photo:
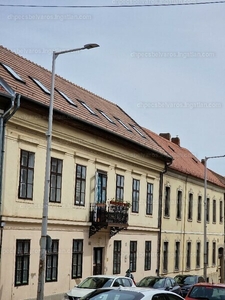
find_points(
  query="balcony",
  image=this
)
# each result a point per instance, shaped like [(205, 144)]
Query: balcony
[(113, 216)]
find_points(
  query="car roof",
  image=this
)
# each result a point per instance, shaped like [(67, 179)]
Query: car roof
[(188, 275), (158, 277), (143, 290), (106, 276), (208, 284)]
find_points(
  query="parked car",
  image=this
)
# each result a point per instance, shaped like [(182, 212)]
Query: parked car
[(131, 293), (206, 290), (187, 281), (160, 282), (92, 283)]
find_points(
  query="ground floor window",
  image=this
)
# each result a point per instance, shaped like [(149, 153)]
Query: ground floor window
[(133, 256), (77, 258), (52, 261), (22, 262), (117, 257), (148, 246)]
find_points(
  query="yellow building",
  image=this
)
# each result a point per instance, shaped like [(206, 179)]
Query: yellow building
[(98, 155), (182, 215)]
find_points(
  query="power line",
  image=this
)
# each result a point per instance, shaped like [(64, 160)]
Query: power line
[(112, 6)]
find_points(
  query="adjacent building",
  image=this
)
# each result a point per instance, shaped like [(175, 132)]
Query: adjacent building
[(182, 215)]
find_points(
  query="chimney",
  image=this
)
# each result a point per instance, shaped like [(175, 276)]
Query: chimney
[(203, 161), (166, 136), (176, 140)]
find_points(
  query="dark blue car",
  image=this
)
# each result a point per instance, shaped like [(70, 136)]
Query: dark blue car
[(187, 281), (161, 283)]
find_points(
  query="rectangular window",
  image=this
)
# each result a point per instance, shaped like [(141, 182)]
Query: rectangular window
[(165, 257), (221, 211), (177, 256), (56, 180), (149, 199), (80, 186), (77, 259), (207, 253), (148, 249), (167, 202), (101, 182), (190, 206), (198, 254), (133, 256), (22, 262), (207, 209), (135, 195), (199, 213), (119, 187), (179, 204), (214, 253), (214, 211), (117, 257), (26, 175), (188, 261), (52, 262)]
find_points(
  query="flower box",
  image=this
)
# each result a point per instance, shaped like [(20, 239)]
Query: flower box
[(119, 203)]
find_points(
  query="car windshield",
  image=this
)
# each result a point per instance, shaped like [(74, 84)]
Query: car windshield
[(95, 282), (113, 295), (207, 292), (185, 279), (154, 282)]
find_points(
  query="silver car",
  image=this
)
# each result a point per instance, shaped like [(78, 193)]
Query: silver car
[(131, 293), (92, 283)]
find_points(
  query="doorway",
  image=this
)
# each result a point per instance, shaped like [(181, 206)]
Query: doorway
[(97, 261)]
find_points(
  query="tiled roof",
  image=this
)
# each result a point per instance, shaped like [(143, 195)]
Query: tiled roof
[(29, 89), (184, 161), (220, 177)]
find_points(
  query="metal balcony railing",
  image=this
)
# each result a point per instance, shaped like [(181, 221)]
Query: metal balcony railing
[(109, 214)]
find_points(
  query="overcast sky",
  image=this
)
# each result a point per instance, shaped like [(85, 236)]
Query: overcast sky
[(163, 65)]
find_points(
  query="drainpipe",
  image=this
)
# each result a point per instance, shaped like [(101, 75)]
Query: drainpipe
[(4, 117), (160, 217)]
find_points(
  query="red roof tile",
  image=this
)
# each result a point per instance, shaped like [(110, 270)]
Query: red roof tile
[(27, 69), (183, 160)]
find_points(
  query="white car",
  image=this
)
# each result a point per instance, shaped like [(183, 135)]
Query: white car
[(94, 282), (131, 293)]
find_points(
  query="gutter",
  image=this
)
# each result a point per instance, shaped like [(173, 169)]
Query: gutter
[(159, 243)]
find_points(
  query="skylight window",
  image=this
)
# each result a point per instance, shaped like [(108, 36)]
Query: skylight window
[(171, 148), (137, 130), (66, 98), (194, 160), (40, 85), (12, 72), (124, 125), (87, 107), (105, 115)]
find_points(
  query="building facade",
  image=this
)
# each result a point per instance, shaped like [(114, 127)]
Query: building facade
[(105, 174), (182, 215), (120, 195)]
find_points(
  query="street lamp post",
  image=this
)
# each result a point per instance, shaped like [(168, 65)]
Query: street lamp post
[(205, 213), (43, 241)]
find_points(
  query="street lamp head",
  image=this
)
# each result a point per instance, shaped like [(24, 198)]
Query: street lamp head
[(90, 46)]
